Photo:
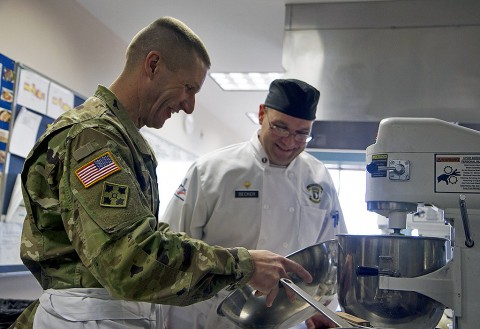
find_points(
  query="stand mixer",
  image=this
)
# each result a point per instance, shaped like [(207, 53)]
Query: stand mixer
[(429, 161)]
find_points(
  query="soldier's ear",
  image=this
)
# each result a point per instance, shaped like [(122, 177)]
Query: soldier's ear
[(151, 62)]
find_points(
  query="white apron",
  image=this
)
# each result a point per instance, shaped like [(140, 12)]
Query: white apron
[(92, 308)]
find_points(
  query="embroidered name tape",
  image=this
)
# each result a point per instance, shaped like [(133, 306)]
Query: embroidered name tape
[(246, 194), (97, 169)]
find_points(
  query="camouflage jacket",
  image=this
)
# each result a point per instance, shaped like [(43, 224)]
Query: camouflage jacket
[(90, 189)]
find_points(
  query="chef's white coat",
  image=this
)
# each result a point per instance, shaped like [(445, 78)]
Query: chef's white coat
[(235, 197)]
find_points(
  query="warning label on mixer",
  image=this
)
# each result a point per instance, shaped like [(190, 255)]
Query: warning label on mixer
[(457, 173)]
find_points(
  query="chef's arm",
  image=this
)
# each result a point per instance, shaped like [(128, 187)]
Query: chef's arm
[(187, 211)]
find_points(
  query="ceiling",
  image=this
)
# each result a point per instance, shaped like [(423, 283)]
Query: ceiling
[(241, 36)]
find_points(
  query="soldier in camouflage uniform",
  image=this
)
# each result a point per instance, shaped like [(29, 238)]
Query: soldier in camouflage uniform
[(91, 235)]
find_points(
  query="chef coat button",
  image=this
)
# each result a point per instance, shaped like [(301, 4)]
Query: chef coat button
[(290, 175), (291, 209), (266, 206), (285, 245), (264, 160)]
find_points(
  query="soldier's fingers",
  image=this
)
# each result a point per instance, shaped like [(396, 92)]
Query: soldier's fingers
[(272, 295)]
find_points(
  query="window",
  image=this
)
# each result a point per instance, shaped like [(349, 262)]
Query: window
[(170, 175), (351, 186)]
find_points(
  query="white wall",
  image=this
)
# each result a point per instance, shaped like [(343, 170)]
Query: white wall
[(63, 41)]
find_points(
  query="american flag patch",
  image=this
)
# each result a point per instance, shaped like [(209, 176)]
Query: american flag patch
[(97, 169)]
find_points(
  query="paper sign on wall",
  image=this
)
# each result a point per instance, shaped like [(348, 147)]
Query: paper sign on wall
[(32, 91), (10, 239), (24, 133), (60, 100)]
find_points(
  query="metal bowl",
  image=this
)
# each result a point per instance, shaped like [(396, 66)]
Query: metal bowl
[(248, 311), (395, 255)]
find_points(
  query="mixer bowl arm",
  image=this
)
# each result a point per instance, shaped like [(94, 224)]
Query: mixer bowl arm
[(439, 285)]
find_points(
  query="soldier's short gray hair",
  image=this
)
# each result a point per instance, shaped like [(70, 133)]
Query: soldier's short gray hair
[(172, 38)]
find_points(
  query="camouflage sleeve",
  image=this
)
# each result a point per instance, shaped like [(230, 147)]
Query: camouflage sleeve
[(111, 225)]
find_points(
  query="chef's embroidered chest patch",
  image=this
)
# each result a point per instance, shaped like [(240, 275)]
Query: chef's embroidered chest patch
[(97, 169), (114, 195), (315, 192)]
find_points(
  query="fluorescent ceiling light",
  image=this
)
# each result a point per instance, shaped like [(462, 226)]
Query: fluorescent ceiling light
[(245, 81)]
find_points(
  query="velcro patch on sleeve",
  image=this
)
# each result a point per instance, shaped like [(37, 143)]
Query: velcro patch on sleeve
[(97, 169), (85, 151), (114, 195)]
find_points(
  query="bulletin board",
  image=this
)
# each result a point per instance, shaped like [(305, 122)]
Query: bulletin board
[(7, 81)]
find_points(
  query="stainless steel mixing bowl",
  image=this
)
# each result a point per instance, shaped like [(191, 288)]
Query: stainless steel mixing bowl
[(396, 255), (248, 311)]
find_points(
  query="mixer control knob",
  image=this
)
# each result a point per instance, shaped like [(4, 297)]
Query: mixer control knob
[(398, 168)]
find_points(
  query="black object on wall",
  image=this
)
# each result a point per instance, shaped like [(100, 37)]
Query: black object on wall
[(343, 135)]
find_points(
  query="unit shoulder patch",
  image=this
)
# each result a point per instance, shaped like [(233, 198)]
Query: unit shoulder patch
[(181, 190), (114, 195), (97, 169)]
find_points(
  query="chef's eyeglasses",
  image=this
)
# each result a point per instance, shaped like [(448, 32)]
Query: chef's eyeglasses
[(283, 132)]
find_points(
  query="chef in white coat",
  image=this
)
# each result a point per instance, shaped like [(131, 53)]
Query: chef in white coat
[(266, 193)]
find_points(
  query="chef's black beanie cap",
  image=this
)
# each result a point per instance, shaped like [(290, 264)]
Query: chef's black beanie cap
[(293, 97)]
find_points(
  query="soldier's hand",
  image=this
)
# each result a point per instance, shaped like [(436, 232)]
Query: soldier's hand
[(269, 269)]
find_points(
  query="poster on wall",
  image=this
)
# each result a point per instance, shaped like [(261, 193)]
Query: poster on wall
[(60, 100), (32, 91), (24, 133), (7, 81)]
